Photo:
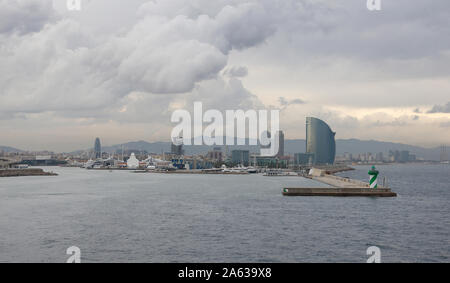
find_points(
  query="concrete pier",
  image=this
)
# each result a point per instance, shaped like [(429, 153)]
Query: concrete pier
[(340, 187)]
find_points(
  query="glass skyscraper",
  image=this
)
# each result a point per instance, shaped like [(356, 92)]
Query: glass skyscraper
[(320, 141), (97, 148)]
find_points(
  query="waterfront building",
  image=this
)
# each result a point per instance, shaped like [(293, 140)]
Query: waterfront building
[(320, 141), (215, 154), (395, 156), (404, 156), (4, 163), (379, 157), (348, 156), (132, 162), (42, 160), (271, 162), (198, 163)]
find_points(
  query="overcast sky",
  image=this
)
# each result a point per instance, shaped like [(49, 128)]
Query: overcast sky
[(118, 69)]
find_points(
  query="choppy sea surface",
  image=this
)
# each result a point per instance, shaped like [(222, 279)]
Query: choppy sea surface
[(121, 216)]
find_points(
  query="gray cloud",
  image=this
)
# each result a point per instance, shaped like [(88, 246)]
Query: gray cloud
[(65, 68), (236, 71), (347, 28), (24, 16), (440, 108), (286, 102), (127, 67)]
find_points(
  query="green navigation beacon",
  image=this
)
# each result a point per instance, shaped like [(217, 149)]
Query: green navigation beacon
[(373, 175)]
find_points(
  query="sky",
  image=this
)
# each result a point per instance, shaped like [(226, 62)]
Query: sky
[(119, 69)]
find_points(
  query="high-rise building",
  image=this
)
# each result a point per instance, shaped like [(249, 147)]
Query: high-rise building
[(280, 139), (379, 157), (177, 146), (97, 148), (240, 157), (394, 156), (215, 154), (320, 141), (404, 156)]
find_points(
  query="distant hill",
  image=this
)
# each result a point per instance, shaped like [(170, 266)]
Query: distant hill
[(155, 147), (9, 149), (353, 146)]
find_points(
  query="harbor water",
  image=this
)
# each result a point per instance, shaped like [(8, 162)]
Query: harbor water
[(120, 216)]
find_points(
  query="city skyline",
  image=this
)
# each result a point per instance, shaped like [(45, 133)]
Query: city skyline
[(346, 150), (68, 77)]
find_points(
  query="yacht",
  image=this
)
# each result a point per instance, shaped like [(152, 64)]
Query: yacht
[(279, 173)]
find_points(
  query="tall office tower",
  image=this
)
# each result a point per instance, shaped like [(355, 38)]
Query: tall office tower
[(320, 141), (280, 139), (97, 148)]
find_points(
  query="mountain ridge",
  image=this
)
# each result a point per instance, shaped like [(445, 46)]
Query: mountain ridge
[(353, 146), (9, 149)]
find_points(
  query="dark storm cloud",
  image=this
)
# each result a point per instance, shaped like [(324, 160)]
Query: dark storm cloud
[(403, 29)]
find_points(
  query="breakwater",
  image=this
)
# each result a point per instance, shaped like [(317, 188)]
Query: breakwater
[(25, 172), (340, 187), (339, 192)]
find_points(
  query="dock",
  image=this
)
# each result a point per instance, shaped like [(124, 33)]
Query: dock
[(339, 187)]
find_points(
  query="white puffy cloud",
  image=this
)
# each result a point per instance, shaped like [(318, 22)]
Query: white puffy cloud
[(63, 67)]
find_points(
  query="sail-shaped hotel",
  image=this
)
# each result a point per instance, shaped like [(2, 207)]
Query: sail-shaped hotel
[(320, 141)]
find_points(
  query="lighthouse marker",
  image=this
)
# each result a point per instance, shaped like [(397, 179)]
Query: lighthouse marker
[(373, 173)]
